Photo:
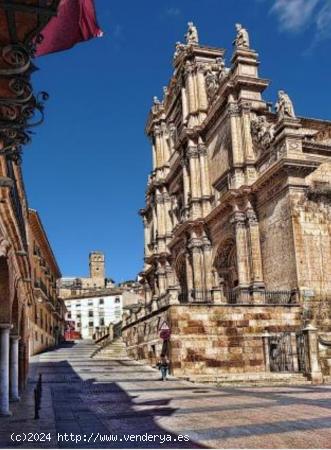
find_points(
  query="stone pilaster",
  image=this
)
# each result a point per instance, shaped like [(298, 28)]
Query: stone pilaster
[(204, 179), (202, 93), (197, 266), (186, 183), (193, 158), (207, 263), (184, 105), (238, 221), (255, 249), (238, 178), (189, 272)]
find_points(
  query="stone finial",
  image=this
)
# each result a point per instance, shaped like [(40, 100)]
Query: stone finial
[(284, 106), (242, 38), (192, 36)]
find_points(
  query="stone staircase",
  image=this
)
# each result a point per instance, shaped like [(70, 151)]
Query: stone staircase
[(251, 379), (115, 350)]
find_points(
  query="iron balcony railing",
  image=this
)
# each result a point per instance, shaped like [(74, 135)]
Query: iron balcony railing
[(284, 297), (235, 296), (196, 296)]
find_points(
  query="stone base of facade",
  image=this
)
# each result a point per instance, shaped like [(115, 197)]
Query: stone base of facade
[(211, 339)]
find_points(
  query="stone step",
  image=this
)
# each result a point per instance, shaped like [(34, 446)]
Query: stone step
[(112, 351), (272, 378)]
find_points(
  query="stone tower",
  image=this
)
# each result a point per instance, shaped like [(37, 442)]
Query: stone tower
[(97, 265)]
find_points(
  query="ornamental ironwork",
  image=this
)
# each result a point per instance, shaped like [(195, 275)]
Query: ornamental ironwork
[(20, 109)]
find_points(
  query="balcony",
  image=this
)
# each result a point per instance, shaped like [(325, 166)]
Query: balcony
[(239, 297)]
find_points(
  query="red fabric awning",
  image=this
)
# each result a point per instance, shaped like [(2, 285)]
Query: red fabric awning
[(76, 22)]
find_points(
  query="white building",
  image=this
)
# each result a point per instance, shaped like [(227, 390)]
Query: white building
[(94, 311)]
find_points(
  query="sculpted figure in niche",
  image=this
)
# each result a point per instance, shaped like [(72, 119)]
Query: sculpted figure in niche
[(284, 106), (192, 34), (211, 82), (242, 39)]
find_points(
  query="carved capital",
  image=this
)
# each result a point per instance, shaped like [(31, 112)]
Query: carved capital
[(158, 198), (233, 109), (251, 217), (192, 152), (238, 219)]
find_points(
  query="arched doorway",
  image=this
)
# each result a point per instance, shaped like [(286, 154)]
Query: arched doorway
[(226, 267)]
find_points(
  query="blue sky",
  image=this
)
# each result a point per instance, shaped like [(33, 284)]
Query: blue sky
[(86, 169)]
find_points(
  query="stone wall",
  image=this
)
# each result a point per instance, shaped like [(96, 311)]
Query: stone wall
[(211, 339), (276, 237)]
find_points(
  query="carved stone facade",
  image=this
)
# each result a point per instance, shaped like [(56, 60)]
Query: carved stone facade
[(237, 214)]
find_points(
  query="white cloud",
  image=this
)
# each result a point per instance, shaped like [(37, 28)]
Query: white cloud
[(323, 21), (172, 11), (294, 15)]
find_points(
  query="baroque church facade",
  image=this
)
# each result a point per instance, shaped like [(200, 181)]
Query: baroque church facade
[(237, 223)]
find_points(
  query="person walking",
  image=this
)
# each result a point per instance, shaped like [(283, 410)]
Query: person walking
[(163, 366)]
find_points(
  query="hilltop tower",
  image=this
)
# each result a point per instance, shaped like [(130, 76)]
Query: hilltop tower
[(97, 265)]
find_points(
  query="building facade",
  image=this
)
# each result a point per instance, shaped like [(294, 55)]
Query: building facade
[(237, 221), (92, 313), (20, 24), (47, 313)]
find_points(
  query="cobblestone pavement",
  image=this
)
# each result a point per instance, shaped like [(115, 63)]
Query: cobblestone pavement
[(121, 397)]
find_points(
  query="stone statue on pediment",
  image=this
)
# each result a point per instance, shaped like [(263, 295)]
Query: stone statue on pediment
[(242, 39), (192, 36), (284, 106)]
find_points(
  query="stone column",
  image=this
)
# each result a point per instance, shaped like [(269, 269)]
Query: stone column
[(146, 235), (311, 337), (207, 259), (158, 149), (203, 99), (167, 209), (184, 105), (195, 247), (154, 156), (236, 140), (189, 273), (238, 221), (246, 131), (233, 111), (255, 249), (4, 369), (193, 156), (186, 183), (164, 143), (13, 385), (266, 338), (192, 101)]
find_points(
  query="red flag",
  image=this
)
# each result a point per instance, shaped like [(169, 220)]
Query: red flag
[(75, 22)]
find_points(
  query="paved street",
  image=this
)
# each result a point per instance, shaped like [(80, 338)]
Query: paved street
[(121, 397)]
